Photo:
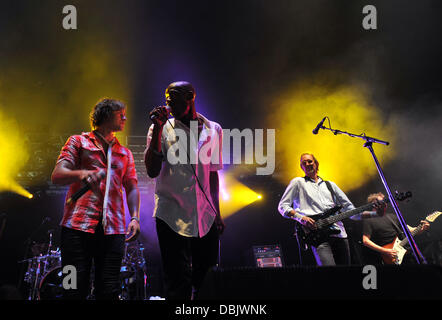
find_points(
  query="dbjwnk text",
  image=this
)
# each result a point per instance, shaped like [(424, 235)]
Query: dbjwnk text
[(223, 309)]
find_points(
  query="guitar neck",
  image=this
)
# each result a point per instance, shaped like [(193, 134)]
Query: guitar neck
[(430, 218), (347, 214), (404, 241)]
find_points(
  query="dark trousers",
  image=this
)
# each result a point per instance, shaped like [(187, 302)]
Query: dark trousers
[(335, 251), (186, 260), (79, 249)]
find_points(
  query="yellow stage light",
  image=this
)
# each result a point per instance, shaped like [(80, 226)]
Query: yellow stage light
[(234, 195), (13, 155), (342, 159)]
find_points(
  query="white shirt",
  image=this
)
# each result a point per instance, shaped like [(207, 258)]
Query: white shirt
[(308, 198), (179, 200)]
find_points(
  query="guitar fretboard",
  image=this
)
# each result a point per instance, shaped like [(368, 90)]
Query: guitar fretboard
[(341, 216)]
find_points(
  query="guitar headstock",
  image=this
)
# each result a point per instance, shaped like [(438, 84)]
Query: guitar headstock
[(433, 216), (401, 196)]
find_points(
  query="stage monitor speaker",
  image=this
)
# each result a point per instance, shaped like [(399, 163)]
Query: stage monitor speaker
[(311, 282), (268, 256)]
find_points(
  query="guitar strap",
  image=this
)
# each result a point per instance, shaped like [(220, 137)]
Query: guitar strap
[(334, 197)]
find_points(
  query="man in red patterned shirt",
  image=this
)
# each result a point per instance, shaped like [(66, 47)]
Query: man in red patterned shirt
[(93, 226)]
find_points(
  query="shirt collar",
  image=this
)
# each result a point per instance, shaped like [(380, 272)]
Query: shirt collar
[(91, 135), (307, 178), (206, 122)]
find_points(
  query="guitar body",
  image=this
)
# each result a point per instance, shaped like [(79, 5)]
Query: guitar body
[(399, 245), (326, 220), (316, 237), (395, 245)]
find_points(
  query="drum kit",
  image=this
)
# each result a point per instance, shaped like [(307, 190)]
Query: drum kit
[(43, 277)]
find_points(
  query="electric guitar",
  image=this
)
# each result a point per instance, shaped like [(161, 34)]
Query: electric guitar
[(399, 245), (325, 220)]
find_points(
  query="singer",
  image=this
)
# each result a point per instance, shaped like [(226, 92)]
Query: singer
[(93, 224), (187, 215), (310, 195)]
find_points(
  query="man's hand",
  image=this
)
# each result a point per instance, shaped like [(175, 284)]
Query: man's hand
[(425, 225), (133, 230), (161, 115), (220, 225), (390, 253), (379, 206), (92, 178), (308, 222)]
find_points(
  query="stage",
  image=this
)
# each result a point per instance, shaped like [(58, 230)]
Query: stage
[(280, 79)]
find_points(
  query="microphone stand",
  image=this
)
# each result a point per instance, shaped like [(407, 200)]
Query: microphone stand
[(368, 144)]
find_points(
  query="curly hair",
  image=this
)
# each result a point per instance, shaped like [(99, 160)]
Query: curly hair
[(374, 197), (103, 111)]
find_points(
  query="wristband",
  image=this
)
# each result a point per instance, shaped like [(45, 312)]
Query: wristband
[(296, 216), (135, 218)]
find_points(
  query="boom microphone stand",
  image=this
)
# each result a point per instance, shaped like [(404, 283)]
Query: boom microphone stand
[(368, 144)]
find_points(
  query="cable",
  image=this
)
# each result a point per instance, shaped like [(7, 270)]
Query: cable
[(196, 176)]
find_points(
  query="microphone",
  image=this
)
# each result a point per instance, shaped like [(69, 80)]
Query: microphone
[(315, 131), (169, 110), (83, 190)]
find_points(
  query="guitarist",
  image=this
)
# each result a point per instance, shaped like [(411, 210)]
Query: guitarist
[(310, 195), (383, 230)]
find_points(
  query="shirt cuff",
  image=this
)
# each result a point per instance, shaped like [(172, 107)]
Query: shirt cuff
[(373, 214), (297, 216)]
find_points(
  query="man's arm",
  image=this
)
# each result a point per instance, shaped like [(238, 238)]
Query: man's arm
[(64, 173), (348, 205), (153, 156), (214, 192), (133, 203), (286, 210), (373, 246)]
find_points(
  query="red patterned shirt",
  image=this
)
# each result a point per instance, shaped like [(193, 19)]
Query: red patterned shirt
[(85, 152)]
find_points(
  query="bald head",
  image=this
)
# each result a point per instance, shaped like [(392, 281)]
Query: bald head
[(183, 88), (180, 96)]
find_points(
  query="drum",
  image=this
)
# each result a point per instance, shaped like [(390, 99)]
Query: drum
[(51, 286), (126, 271)]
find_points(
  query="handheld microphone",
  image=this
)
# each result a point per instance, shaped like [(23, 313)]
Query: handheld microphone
[(169, 110), (83, 190), (319, 126)]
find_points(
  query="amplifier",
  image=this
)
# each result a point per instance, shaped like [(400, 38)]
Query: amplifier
[(268, 256)]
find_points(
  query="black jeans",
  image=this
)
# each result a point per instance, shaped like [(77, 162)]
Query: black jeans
[(335, 251), (80, 248), (186, 260)]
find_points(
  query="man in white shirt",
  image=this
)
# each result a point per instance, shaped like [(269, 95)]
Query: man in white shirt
[(184, 154), (308, 196)]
